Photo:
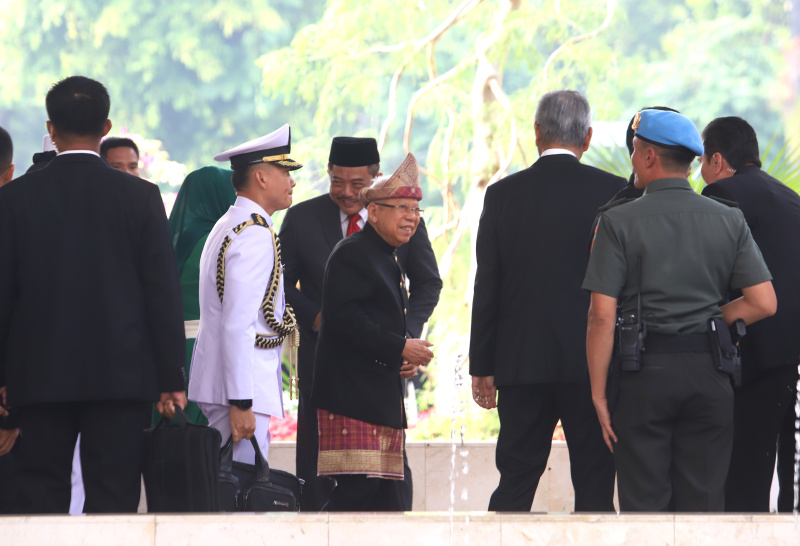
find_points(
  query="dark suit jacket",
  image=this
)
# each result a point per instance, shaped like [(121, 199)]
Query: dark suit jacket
[(363, 332), (90, 304), (308, 234), (772, 211), (529, 311)]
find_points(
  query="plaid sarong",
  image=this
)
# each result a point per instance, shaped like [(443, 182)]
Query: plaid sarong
[(350, 446)]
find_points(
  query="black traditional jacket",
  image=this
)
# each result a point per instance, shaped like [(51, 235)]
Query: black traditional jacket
[(363, 332)]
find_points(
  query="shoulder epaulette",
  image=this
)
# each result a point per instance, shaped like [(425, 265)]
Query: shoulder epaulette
[(258, 219), (727, 202), (616, 203)]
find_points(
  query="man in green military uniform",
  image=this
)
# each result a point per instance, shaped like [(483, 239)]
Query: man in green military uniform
[(671, 432)]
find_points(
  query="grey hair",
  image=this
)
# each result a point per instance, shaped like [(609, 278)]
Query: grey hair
[(564, 117)]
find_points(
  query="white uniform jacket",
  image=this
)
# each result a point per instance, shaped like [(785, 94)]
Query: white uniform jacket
[(226, 364)]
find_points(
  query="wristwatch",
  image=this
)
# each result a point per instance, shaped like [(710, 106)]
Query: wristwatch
[(243, 405)]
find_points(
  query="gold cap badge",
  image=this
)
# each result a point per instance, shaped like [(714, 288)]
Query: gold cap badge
[(636, 120)]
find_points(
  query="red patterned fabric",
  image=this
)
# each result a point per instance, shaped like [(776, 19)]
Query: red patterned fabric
[(406, 191), (349, 446), (352, 224)]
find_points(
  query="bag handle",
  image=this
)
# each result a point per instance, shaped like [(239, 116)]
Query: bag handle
[(181, 417), (262, 466), (226, 459)]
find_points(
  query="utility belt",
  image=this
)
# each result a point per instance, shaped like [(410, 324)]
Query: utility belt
[(721, 342), (657, 344), (632, 341)]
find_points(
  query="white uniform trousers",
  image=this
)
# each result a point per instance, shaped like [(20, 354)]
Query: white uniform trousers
[(219, 417)]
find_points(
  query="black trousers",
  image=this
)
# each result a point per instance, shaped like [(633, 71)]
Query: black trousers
[(111, 453), (786, 452), (8, 485), (759, 410), (528, 416), (674, 424), (358, 493), (317, 490)]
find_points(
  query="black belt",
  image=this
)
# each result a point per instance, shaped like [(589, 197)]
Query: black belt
[(689, 343)]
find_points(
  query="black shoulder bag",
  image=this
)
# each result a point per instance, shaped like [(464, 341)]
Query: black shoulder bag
[(256, 488)]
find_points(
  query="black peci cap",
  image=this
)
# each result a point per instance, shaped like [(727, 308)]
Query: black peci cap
[(354, 152)]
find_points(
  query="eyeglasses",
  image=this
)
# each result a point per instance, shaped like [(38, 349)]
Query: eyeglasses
[(403, 208)]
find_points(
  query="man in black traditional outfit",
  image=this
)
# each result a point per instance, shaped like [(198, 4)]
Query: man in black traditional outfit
[(364, 352), (308, 234)]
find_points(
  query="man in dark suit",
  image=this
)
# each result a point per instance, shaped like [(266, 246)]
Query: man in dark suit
[(91, 327), (308, 234), (771, 348), (529, 311), (364, 351)]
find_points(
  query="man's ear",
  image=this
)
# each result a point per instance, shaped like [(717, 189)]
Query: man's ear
[(8, 175), (372, 213), (650, 157), (260, 180), (718, 163), (588, 140), (107, 128)]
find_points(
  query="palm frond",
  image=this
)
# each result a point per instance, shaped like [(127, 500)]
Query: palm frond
[(613, 159), (783, 165)]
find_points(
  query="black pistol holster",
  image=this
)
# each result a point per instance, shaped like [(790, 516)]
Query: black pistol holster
[(724, 347)]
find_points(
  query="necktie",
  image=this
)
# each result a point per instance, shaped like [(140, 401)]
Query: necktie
[(352, 224)]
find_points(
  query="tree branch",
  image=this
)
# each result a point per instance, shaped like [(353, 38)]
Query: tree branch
[(610, 6), (424, 89), (501, 97), (455, 16)]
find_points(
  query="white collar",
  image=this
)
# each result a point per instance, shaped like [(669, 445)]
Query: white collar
[(79, 152), (556, 151), (251, 206), (362, 213)]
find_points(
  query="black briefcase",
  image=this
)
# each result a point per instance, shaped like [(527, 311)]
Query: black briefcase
[(256, 488), (181, 466)]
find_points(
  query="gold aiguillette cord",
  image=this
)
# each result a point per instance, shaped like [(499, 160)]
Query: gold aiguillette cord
[(294, 380)]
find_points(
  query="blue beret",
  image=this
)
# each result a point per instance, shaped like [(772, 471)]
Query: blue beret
[(668, 129)]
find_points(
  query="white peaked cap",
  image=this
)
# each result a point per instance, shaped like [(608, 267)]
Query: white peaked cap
[(272, 148)]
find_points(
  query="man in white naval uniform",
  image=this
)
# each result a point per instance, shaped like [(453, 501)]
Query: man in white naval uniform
[(235, 381)]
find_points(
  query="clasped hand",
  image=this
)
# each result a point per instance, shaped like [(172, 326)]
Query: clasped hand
[(416, 352)]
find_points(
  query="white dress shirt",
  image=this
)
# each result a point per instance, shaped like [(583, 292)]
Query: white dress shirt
[(361, 221), (556, 151)]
